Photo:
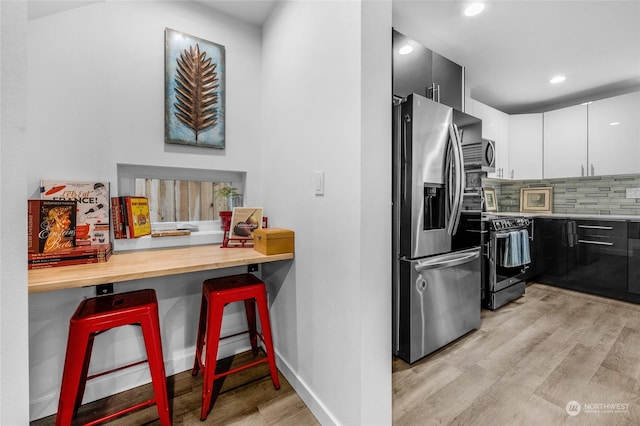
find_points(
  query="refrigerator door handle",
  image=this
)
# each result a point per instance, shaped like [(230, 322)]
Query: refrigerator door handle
[(448, 260), (456, 208)]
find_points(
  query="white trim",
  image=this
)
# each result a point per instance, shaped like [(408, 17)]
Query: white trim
[(315, 405)]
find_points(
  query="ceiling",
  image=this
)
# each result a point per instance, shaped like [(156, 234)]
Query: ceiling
[(510, 51)]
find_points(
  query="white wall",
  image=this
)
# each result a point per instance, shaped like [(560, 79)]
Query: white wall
[(327, 93), (95, 99), (14, 373)]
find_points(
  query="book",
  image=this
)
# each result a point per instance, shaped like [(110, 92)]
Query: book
[(92, 214), (130, 215), (138, 218), (77, 256), (117, 218), (51, 225), (99, 250)]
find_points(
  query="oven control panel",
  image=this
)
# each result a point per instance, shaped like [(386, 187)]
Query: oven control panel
[(506, 223)]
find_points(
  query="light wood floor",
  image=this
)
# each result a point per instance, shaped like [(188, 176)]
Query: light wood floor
[(244, 398), (527, 362)]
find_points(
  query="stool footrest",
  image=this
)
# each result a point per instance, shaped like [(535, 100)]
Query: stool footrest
[(242, 367), (104, 373), (122, 412)]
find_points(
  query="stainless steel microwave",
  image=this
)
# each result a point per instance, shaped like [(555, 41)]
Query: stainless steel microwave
[(480, 155)]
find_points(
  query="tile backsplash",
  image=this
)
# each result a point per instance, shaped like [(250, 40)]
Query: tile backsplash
[(588, 195)]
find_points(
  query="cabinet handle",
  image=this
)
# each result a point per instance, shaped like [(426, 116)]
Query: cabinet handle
[(593, 173), (512, 173), (608, 228), (598, 243), (582, 169)]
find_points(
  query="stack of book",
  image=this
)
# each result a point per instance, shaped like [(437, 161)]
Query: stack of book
[(52, 236), (92, 213), (130, 217)]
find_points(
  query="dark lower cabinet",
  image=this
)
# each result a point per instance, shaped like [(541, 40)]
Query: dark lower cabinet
[(592, 256), (599, 255), (634, 258), (550, 237)]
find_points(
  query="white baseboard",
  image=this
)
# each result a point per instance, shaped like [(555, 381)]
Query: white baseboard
[(319, 410)]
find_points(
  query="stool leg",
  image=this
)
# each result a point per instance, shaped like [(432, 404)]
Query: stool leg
[(263, 309), (214, 324), (153, 345), (202, 329), (83, 376), (77, 346), (250, 309)]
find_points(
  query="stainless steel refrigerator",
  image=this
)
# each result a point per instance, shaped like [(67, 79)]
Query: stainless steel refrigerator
[(437, 281)]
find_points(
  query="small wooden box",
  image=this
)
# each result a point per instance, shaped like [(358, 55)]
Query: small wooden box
[(273, 241)]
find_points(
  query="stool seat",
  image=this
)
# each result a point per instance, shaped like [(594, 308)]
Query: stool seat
[(94, 316), (216, 294)]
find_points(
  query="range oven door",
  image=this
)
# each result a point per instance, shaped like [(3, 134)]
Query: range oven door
[(501, 273)]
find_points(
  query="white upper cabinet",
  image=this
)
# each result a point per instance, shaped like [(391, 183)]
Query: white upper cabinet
[(565, 142), (614, 135), (525, 146), (495, 126)]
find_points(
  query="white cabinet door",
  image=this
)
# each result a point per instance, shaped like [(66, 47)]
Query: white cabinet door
[(495, 126), (565, 142), (525, 146), (614, 148)]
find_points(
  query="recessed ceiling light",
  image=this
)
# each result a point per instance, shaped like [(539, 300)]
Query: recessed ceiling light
[(615, 123), (473, 9), (557, 79), (405, 50)]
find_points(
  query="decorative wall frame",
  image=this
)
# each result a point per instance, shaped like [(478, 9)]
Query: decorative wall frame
[(536, 200), (490, 203), (194, 91)]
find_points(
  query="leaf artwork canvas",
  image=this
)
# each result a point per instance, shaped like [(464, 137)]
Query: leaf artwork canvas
[(194, 91)]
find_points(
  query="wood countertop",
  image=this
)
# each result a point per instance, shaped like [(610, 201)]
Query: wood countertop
[(146, 264)]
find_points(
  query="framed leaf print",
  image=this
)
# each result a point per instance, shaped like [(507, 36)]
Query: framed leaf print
[(194, 91)]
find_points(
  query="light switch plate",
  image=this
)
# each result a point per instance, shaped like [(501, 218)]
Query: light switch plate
[(319, 182), (633, 192)]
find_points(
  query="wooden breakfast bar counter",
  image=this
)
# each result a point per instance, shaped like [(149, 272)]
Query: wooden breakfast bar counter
[(141, 264)]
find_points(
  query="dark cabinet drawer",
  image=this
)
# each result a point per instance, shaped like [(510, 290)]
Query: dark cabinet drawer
[(601, 229), (598, 257)]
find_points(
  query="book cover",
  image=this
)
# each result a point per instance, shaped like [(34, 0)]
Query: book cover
[(138, 220), (244, 220), (92, 214), (51, 225)]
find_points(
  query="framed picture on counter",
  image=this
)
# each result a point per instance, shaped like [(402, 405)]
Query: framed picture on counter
[(536, 200), (490, 203)]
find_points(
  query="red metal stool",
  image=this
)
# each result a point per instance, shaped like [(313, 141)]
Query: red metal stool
[(100, 314), (216, 293)]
